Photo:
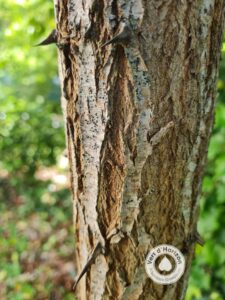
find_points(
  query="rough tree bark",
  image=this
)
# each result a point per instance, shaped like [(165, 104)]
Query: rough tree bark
[(139, 113)]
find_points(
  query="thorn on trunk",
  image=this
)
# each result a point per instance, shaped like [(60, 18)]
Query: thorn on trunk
[(193, 238), (198, 239), (51, 39), (124, 37), (97, 250)]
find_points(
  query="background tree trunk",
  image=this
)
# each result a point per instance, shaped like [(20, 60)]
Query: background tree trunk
[(139, 114)]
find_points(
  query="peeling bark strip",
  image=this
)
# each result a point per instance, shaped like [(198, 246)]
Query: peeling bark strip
[(138, 93)]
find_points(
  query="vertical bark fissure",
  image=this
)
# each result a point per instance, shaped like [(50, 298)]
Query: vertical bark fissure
[(138, 119)]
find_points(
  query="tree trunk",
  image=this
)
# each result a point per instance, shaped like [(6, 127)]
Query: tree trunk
[(139, 112)]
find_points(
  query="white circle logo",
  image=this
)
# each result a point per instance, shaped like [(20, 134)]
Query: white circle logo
[(165, 264)]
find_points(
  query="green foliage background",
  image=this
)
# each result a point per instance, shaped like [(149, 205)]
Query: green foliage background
[(32, 136), (36, 237)]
